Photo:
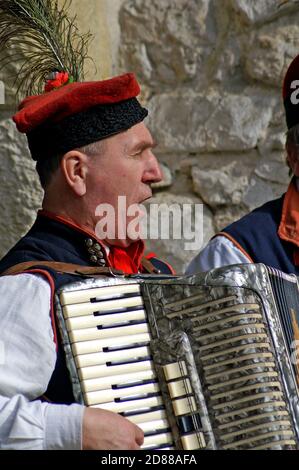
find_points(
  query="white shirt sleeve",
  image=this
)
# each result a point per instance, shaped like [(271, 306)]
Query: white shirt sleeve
[(27, 360), (220, 251)]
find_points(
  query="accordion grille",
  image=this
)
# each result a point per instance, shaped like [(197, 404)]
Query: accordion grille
[(238, 370)]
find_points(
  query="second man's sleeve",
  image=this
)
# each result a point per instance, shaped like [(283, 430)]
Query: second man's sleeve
[(220, 251)]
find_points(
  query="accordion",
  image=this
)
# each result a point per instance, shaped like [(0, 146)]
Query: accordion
[(206, 361)]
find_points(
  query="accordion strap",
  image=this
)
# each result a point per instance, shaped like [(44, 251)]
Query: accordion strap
[(69, 268), (65, 268)]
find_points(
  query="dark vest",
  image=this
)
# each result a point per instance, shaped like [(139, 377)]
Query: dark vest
[(51, 240), (257, 235)]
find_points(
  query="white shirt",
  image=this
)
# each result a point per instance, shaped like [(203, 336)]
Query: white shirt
[(220, 251), (27, 360)]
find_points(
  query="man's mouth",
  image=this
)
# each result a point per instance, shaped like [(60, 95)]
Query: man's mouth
[(146, 199)]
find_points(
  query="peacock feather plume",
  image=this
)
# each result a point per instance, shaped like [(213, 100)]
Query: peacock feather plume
[(40, 37)]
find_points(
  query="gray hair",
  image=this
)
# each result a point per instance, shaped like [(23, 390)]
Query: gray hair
[(48, 166)]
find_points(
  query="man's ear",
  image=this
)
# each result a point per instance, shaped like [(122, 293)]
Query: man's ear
[(74, 167)]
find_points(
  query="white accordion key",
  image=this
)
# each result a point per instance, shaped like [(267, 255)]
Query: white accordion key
[(157, 440), (84, 334), (96, 359), (104, 321), (86, 360), (153, 426), (184, 406), (175, 370), (104, 396), (88, 321), (88, 295), (103, 308), (125, 380), (104, 371), (97, 345), (179, 388), (157, 415), (193, 441), (109, 345), (131, 406), (87, 347)]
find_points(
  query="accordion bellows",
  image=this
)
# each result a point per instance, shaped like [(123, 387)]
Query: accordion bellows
[(199, 362)]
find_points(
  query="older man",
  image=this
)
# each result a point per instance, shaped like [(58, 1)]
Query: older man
[(91, 146), (270, 233)]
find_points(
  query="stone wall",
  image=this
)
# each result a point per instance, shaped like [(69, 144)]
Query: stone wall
[(211, 72)]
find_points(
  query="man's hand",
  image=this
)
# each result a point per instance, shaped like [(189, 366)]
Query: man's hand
[(104, 430)]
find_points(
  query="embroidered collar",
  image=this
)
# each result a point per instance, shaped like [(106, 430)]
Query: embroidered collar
[(127, 259)]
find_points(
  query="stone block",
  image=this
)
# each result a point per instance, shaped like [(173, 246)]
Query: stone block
[(223, 180), (254, 11), (173, 46), (270, 49), (260, 191), (20, 192), (209, 122)]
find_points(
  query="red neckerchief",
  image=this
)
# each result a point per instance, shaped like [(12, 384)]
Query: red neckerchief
[(127, 259)]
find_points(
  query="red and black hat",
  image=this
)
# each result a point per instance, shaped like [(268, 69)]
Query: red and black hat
[(290, 93), (71, 115)]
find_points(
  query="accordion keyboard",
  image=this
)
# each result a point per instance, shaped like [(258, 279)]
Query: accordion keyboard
[(109, 337)]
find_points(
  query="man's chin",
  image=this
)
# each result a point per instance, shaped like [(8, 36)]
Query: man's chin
[(121, 243)]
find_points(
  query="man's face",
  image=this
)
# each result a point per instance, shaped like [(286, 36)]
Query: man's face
[(126, 167)]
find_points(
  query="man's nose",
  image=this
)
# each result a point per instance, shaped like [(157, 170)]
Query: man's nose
[(153, 173)]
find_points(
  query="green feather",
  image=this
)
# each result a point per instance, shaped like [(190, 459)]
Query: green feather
[(43, 38)]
